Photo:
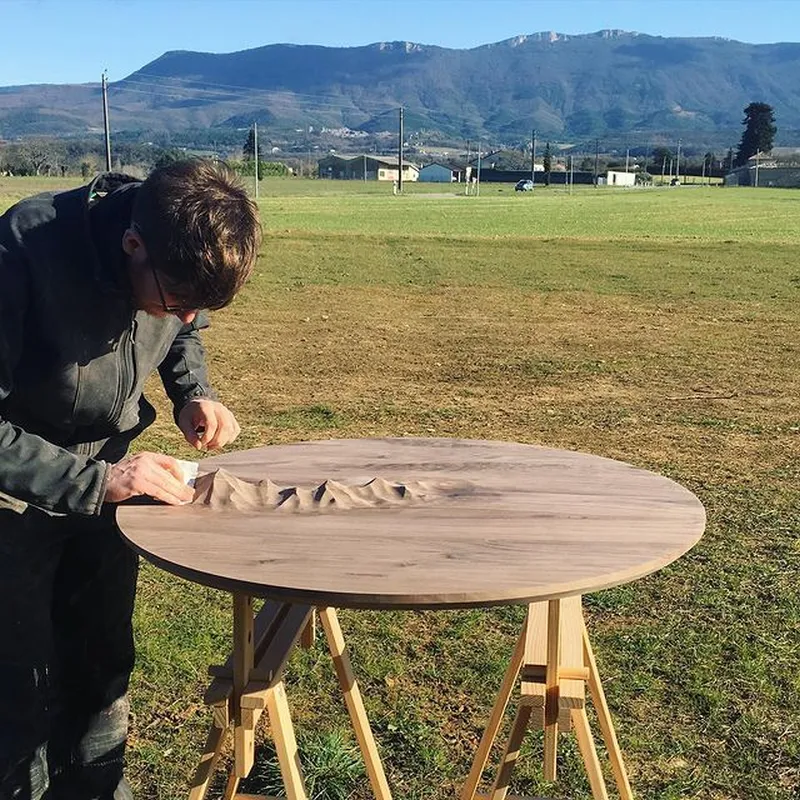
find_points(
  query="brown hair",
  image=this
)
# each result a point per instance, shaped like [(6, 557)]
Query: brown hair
[(200, 228)]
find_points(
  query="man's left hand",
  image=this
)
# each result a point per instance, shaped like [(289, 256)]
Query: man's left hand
[(207, 424)]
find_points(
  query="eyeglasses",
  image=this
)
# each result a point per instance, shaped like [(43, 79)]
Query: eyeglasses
[(167, 308)]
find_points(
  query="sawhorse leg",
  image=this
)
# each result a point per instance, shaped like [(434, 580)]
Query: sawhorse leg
[(354, 703)]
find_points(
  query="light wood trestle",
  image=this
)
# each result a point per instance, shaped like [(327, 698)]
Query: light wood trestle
[(553, 661), (251, 682)]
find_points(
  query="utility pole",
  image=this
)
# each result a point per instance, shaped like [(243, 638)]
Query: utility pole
[(365, 167), (758, 154), (467, 170), (478, 183), (678, 163), (571, 172), (596, 160), (533, 155), (104, 84), (627, 158), (400, 155), (255, 154)]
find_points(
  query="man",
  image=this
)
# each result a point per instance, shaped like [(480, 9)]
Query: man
[(99, 287)]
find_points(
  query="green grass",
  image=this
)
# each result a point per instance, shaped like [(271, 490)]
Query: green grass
[(699, 214), (654, 326)]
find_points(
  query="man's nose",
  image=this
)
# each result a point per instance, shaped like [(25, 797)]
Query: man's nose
[(186, 316)]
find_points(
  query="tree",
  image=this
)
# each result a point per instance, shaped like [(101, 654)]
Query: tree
[(167, 157), (250, 145), (34, 156), (759, 132), (511, 159), (265, 168), (547, 161), (661, 157)]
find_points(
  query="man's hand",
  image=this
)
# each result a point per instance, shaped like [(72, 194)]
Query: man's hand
[(207, 424), (150, 474)]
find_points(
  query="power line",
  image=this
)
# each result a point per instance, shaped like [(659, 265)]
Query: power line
[(335, 100), (347, 106), (320, 101), (312, 105), (190, 94), (303, 104)]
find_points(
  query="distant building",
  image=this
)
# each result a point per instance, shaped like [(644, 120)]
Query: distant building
[(615, 178), (365, 168), (784, 156), (780, 168), (438, 173)]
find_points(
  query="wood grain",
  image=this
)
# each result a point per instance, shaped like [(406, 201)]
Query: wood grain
[(536, 524)]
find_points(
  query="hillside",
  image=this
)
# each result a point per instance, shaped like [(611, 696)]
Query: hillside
[(603, 84)]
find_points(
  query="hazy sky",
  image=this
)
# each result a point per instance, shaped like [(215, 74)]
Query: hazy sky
[(73, 41)]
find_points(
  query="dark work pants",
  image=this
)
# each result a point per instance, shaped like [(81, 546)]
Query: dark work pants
[(67, 588)]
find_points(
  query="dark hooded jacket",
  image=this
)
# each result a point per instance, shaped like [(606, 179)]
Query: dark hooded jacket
[(74, 355)]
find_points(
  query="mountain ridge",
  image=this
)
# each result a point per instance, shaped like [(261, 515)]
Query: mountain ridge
[(606, 83)]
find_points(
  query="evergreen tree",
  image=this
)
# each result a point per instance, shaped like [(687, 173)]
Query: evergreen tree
[(547, 161), (759, 132), (249, 147)]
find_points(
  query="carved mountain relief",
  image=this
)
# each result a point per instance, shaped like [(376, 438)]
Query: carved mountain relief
[(220, 490)]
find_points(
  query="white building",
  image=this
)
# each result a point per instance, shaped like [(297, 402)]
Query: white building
[(614, 178)]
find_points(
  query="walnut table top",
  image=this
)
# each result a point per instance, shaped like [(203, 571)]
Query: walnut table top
[(423, 523)]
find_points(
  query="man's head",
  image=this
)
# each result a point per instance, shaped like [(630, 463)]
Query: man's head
[(193, 239)]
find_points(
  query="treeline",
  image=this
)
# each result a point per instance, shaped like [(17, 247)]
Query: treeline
[(47, 156), (85, 157)]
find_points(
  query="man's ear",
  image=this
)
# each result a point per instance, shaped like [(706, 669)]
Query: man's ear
[(131, 241)]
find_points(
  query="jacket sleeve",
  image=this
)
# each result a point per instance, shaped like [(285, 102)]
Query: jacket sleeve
[(31, 469), (183, 370)]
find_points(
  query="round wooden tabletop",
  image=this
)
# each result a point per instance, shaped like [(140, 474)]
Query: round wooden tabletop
[(499, 523)]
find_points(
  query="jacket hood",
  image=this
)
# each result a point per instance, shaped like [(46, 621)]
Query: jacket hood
[(106, 205)]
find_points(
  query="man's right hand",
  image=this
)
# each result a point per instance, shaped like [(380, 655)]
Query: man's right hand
[(152, 474)]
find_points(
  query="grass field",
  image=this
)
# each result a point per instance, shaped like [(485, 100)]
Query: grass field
[(656, 326)]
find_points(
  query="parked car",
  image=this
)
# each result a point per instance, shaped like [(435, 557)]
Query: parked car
[(524, 186)]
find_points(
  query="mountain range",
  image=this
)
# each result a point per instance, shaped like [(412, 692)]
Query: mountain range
[(608, 83)]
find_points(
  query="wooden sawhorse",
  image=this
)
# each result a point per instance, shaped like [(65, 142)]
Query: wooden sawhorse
[(251, 682), (555, 660), (553, 656)]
